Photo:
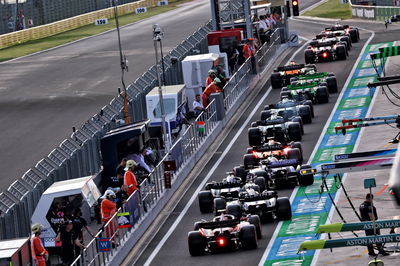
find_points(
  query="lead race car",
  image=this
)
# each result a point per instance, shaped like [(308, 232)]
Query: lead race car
[(281, 76), (224, 233), (343, 30)]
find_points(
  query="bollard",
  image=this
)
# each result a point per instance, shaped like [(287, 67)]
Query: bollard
[(219, 108)]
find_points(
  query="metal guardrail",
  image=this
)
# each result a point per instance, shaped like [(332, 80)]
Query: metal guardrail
[(182, 152), (79, 155)]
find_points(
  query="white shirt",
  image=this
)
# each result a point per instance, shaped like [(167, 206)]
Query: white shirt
[(262, 25), (196, 105)]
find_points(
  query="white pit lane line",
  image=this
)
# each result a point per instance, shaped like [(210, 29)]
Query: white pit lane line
[(210, 173)]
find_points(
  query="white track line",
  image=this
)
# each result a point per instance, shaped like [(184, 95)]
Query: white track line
[(272, 240), (210, 173)]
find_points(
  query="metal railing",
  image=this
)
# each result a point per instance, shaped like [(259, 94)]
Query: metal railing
[(153, 188)]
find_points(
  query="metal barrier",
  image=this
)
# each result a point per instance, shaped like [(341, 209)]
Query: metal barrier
[(183, 150), (79, 155)]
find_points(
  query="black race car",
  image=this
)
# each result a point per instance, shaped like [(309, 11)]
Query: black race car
[(343, 30), (281, 76), (326, 49), (224, 233)]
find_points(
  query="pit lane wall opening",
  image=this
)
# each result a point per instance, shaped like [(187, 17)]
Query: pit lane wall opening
[(378, 13), (310, 208)]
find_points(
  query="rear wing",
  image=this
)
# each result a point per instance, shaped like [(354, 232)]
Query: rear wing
[(282, 163), (323, 44), (303, 86), (270, 122), (219, 224), (222, 185), (290, 67), (266, 148), (313, 76), (257, 198)]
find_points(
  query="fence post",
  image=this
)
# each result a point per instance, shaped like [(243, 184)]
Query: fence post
[(219, 105)]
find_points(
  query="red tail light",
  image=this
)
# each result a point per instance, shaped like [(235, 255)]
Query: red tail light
[(324, 54), (255, 154), (221, 241)]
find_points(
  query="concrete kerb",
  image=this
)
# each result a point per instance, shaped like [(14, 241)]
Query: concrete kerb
[(255, 86)]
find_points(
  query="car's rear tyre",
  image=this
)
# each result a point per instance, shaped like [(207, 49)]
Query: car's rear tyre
[(206, 201), (353, 35), (332, 84), (283, 209), (249, 161), (309, 56), (197, 243), (276, 81), (309, 103), (322, 95), (260, 181), (341, 52), (298, 146), (294, 131), (305, 114), (219, 205), (255, 220), (248, 237), (255, 136), (299, 120), (234, 209), (294, 153)]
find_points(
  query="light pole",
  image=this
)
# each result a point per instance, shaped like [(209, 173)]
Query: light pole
[(157, 37), (123, 63)]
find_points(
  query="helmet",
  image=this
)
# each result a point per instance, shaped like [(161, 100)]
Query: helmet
[(230, 178), (211, 71), (130, 164), (273, 159), (109, 193), (217, 81), (36, 228), (271, 142)]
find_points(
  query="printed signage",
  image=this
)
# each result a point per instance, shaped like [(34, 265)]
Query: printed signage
[(162, 3), (101, 21), (104, 244), (141, 10)]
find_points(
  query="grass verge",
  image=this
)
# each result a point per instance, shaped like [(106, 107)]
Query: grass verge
[(331, 9), (33, 46)]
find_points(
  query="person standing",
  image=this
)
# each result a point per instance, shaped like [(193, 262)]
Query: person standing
[(39, 253), (368, 213), (129, 177), (212, 88), (139, 160), (248, 49), (70, 243), (210, 77), (80, 223), (108, 209)]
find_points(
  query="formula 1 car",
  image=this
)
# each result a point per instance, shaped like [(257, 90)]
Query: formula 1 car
[(306, 91), (224, 233), (261, 132), (289, 109), (229, 188), (266, 205), (345, 40), (281, 76), (343, 30), (326, 49), (322, 78)]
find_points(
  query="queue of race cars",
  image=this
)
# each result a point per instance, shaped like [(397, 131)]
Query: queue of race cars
[(248, 196)]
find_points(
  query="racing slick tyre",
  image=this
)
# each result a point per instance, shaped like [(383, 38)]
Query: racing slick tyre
[(332, 84), (249, 161), (235, 210), (298, 146), (354, 35), (276, 81), (309, 56), (248, 237), (305, 180), (265, 114), (219, 205), (295, 153), (309, 103), (205, 201), (255, 136), (197, 243), (260, 181), (322, 95), (299, 120), (283, 209), (197, 225), (294, 131), (305, 114), (341, 52), (240, 172), (284, 89), (255, 220), (347, 40), (292, 79), (254, 124)]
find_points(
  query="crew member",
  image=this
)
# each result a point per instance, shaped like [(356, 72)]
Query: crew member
[(210, 77), (212, 88), (108, 209), (129, 177), (39, 253), (368, 213), (248, 49)]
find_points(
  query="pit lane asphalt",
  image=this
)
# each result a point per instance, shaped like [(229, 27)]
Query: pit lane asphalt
[(175, 250), (43, 96)]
